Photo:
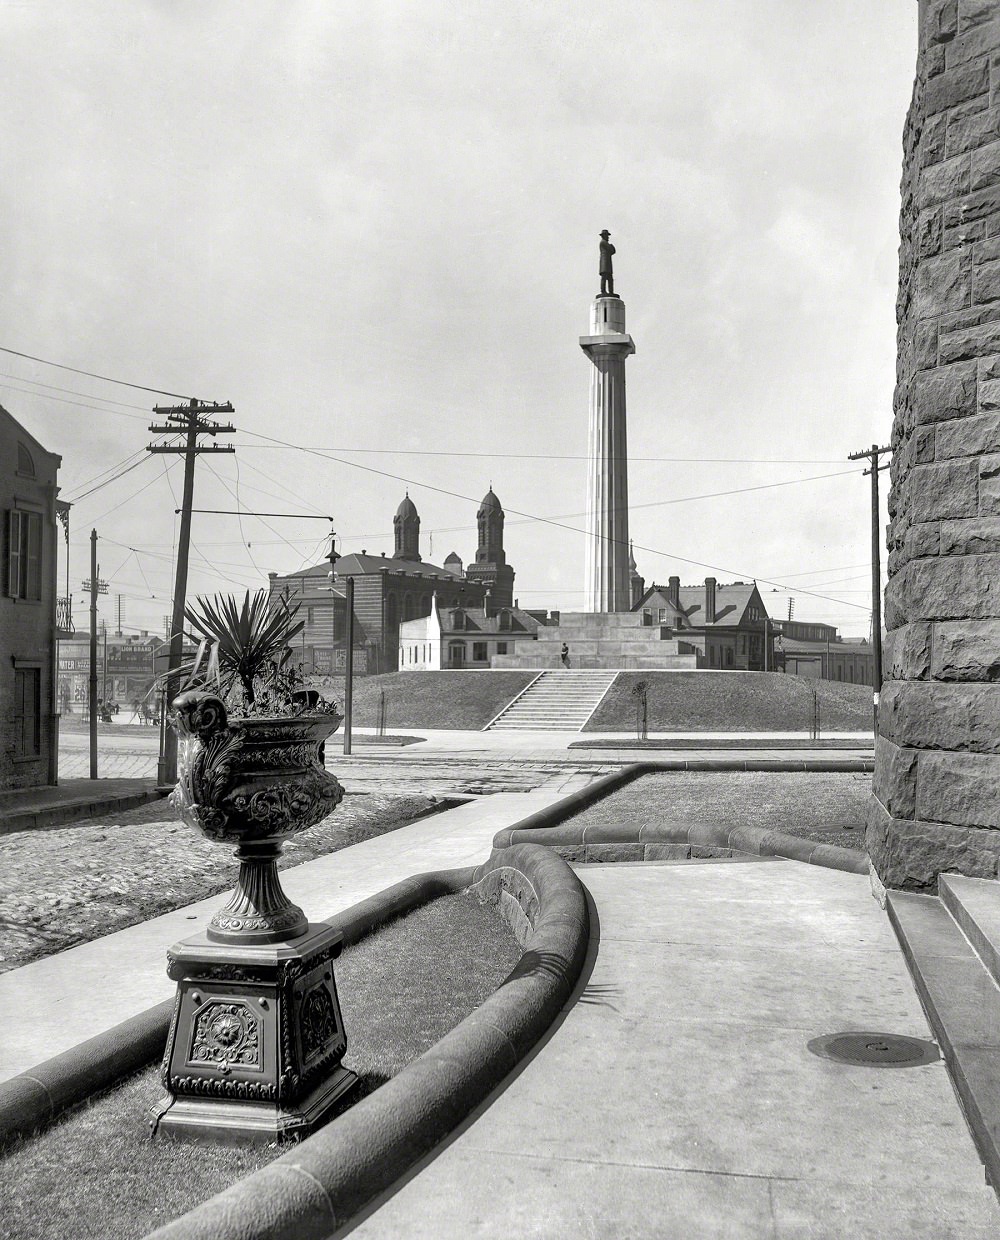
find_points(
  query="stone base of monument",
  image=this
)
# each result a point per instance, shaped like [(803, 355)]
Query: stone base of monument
[(256, 1039)]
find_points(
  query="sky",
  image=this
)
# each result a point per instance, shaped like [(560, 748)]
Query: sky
[(374, 229)]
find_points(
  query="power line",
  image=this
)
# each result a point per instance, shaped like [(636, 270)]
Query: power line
[(63, 401), (556, 456), (91, 375)]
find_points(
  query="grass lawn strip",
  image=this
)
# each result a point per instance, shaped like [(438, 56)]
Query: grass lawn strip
[(826, 807), (97, 1172), (732, 702), (74, 883), (455, 699)]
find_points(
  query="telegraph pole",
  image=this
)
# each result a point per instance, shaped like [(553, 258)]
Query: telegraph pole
[(191, 420), (95, 586), (871, 455)]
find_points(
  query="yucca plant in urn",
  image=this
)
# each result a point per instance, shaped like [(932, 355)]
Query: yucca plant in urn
[(256, 1039)]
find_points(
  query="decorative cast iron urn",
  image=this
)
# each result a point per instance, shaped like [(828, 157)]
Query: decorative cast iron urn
[(252, 782), (256, 1040)]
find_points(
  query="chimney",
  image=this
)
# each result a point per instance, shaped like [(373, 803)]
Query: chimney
[(709, 600), (674, 592), (488, 604)]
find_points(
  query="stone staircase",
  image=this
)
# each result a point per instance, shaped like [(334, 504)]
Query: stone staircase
[(557, 701), (952, 947)]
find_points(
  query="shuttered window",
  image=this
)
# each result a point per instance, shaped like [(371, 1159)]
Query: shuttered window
[(27, 712), (24, 554)]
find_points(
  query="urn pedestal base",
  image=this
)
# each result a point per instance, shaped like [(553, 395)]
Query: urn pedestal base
[(255, 1041)]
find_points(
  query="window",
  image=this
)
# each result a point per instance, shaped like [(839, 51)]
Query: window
[(479, 652), (662, 616), (25, 465), (501, 647), (647, 615), (24, 554), (729, 656), (27, 712), (458, 620), (309, 615), (505, 620)]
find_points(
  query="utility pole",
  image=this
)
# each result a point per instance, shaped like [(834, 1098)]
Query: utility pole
[(191, 420), (871, 455), (95, 586)]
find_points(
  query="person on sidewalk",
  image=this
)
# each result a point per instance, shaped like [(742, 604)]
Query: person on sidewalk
[(564, 655)]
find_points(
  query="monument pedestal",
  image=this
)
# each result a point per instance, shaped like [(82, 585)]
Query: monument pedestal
[(255, 1040)]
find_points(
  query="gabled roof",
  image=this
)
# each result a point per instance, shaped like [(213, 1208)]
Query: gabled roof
[(360, 564), (475, 620), (731, 603), (23, 433)]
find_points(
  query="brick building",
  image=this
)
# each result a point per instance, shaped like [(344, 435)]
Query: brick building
[(725, 626), (29, 726), (809, 648), (390, 590), (457, 637)]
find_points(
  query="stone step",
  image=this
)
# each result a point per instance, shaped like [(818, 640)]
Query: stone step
[(960, 998), (974, 903), (558, 700)]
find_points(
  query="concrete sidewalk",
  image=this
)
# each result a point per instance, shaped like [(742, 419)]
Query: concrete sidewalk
[(678, 1099), (22, 809)]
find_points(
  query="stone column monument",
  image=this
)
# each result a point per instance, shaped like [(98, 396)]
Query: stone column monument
[(607, 586), (936, 803)]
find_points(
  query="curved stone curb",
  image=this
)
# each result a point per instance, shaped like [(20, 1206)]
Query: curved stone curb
[(665, 841), (33, 1099), (321, 1184)]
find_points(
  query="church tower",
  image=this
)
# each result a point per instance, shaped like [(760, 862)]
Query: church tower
[(491, 569), (406, 524), (606, 581)]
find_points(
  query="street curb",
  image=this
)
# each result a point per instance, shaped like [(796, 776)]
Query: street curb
[(584, 797), (69, 811), (598, 842), (326, 1181)]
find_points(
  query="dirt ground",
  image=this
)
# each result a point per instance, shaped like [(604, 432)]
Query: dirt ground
[(73, 883), (820, 806)]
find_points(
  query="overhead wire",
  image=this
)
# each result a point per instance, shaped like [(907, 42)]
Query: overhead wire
[(139, 387)]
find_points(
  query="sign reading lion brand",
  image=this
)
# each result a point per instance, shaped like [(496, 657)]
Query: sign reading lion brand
[(134, 659), (320, 660)]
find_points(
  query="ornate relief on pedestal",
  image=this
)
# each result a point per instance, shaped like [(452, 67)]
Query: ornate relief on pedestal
[(227, 1035)]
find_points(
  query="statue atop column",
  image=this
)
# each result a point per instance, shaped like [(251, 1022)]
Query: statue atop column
[(605, 270)]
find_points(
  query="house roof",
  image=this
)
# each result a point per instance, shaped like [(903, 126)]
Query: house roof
[(360, 564), (731, 602), (24, 433), (475, 620)]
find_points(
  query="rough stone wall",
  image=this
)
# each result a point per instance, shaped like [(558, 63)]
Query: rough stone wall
[(937, 777)]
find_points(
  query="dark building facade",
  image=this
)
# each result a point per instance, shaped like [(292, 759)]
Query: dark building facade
[(725, 626), (29, 727)]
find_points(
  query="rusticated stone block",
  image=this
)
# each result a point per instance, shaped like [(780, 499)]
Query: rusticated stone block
[(909, 855), (936, 714), (925, 346), (979, 41), (989, 484), (962, 236), (966, 133), (968, 436), (929, 232), (960, 788), (973, 13), (896, 777), (986, 282), (941, 24), (984, 166), (610, 853), (943, 283), (907, 652), (666, 852), (949, 392), (956, 85), (956, 346), (988, 368), (949, 179), (923, 539), (924, 447), (933, 140), (941, 491), (989, 394), (966, 650), (963, 212), (986, 251), (977, 536), (945, 588)]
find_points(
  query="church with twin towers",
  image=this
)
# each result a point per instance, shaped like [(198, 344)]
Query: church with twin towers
[(414, 615)]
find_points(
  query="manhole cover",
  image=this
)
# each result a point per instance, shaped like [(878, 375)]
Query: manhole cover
[(875, 1050)]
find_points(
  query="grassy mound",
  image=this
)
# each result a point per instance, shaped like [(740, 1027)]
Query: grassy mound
[(465, 700), (733, 702)]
